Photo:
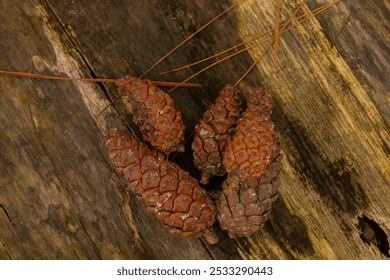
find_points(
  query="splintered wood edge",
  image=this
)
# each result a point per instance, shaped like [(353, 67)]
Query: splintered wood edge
[(67, 64)]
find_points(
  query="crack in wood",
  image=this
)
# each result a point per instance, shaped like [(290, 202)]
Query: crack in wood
[(6, 213), (91, 240)]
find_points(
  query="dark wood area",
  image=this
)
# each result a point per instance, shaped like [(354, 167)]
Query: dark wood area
[(59, 195)]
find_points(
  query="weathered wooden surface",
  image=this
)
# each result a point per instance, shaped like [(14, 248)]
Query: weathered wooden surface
[(59, 196)]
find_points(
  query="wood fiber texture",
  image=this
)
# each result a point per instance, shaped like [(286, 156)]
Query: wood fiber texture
[(60, 197)]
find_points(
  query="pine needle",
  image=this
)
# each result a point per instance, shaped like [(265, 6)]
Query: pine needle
[(291, 19), (276, 44), (189, 37), (96, 80), (303, 18)]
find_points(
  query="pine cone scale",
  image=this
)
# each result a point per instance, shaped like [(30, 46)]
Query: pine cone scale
[(212, 132), (251, 159), (182, 203), (167, 190), (253, 142), (154, 113)]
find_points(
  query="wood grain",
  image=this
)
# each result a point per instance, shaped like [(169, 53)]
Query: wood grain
[(59, 195)]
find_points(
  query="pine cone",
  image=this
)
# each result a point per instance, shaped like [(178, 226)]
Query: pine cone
[(154, 113), (249, 150), (167, 190), (213, 132), (243, 208)]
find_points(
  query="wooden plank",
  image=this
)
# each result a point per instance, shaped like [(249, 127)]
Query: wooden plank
[(367, 58), (335, 139), (58, 194)]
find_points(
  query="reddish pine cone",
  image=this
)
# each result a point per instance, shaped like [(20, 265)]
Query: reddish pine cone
[(167, 190), (243, 208), (249, 150), (213, 132), (154, 113)]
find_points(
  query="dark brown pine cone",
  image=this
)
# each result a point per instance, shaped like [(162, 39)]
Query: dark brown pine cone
[(168, 191), (243, 208), (154, 113), (249, 150), (213, 132)]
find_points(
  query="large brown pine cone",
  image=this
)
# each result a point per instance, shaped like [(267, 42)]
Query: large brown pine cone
[(154, 113), (168, 191), (243, 208), (213, 132), (249, 150)]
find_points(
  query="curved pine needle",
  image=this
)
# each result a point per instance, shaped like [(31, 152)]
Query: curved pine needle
[(311, 14), (277, 31), (290, 19), (96, 80), (49, 77), (102, 80), (218, 54), (253, 65), (223, 59), (301, 19), (189, 37)]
